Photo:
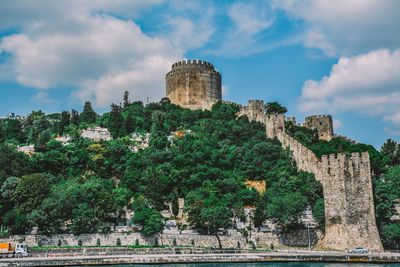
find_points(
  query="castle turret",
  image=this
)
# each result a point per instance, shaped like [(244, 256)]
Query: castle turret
[(273, 123), (193, 84), (323, 124)]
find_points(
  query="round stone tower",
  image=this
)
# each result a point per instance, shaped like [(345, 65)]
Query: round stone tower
[(193, 84)]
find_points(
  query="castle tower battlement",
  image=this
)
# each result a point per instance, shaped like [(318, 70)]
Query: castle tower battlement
[(254, 110), (194, 84), (323, 124)]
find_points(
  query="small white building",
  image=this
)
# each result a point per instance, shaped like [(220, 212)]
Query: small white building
[(97, 134), (65, 140)]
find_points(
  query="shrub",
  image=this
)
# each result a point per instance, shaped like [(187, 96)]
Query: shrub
[(272, 246), (251, 243), (137, 242), (156, 242), (192, 242), (59, 243), (80, 242), (98, 242), (39, 243), (174, 242), (118, 242)]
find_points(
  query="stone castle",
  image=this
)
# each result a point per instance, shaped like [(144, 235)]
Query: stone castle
[(193, 84), (346, 180)]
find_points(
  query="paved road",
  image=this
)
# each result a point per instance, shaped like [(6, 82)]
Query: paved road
[(282, 255)]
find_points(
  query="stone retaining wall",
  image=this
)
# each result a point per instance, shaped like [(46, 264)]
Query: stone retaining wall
[(260, 239)]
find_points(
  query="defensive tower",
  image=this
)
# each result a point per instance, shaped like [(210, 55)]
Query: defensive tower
[(193, 84), (323, 124)]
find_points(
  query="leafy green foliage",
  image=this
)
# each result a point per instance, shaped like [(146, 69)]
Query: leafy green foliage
[(85, 185), (391, 150), (151, 221), (387, 193), (88, 115), (274, 108)]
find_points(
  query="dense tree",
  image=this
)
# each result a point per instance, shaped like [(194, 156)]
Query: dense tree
[(116, 122), (75, 117), (387, 193), (88, 115), (65, 121), (391, 150), (217, 218), (151, 221), (126, 99), (13, 130), (31, 191), (274, 108)]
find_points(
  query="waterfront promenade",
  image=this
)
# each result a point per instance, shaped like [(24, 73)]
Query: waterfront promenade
[(280, 256)]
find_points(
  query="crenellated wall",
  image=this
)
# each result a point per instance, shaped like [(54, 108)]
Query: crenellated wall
[(347, 186), (254, 110), (349, 203), (345, 138)]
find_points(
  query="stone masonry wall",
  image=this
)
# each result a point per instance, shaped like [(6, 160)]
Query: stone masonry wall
[(323, 124), (193, 84), (182, 239), (349, 203), (347, 186)]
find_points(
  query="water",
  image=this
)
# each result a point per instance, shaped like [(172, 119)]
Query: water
[(282, 264)]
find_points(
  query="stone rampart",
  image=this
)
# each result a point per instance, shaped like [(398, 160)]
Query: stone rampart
[(347, 186), (345, 138), (349, 203), (254, 110)]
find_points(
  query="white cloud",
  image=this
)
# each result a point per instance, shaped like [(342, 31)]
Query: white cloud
[(42, 97), (367, 83), (250, 20), (346, 27), (97, 48), (190, 34), (337, 124), (102, 56)]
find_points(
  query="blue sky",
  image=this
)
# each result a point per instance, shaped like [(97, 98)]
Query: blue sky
[(315, 57)]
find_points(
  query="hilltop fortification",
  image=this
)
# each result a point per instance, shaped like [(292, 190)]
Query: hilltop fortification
[(193, 84), (346, 180)]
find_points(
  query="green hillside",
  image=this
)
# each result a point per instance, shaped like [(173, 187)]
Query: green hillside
[(205, 157)]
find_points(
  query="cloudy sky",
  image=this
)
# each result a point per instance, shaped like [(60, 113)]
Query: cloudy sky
[(315, 57)]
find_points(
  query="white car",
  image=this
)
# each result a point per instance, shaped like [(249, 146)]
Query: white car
[(358, 250)]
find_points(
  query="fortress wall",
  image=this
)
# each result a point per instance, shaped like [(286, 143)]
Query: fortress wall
[(345, 138), (254, 110), (347, 186), (349, 203), (305, 159)]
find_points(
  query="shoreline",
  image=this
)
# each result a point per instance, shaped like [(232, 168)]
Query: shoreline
[(256, 257)]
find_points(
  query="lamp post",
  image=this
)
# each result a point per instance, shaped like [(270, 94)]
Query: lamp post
[(308, 234)]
